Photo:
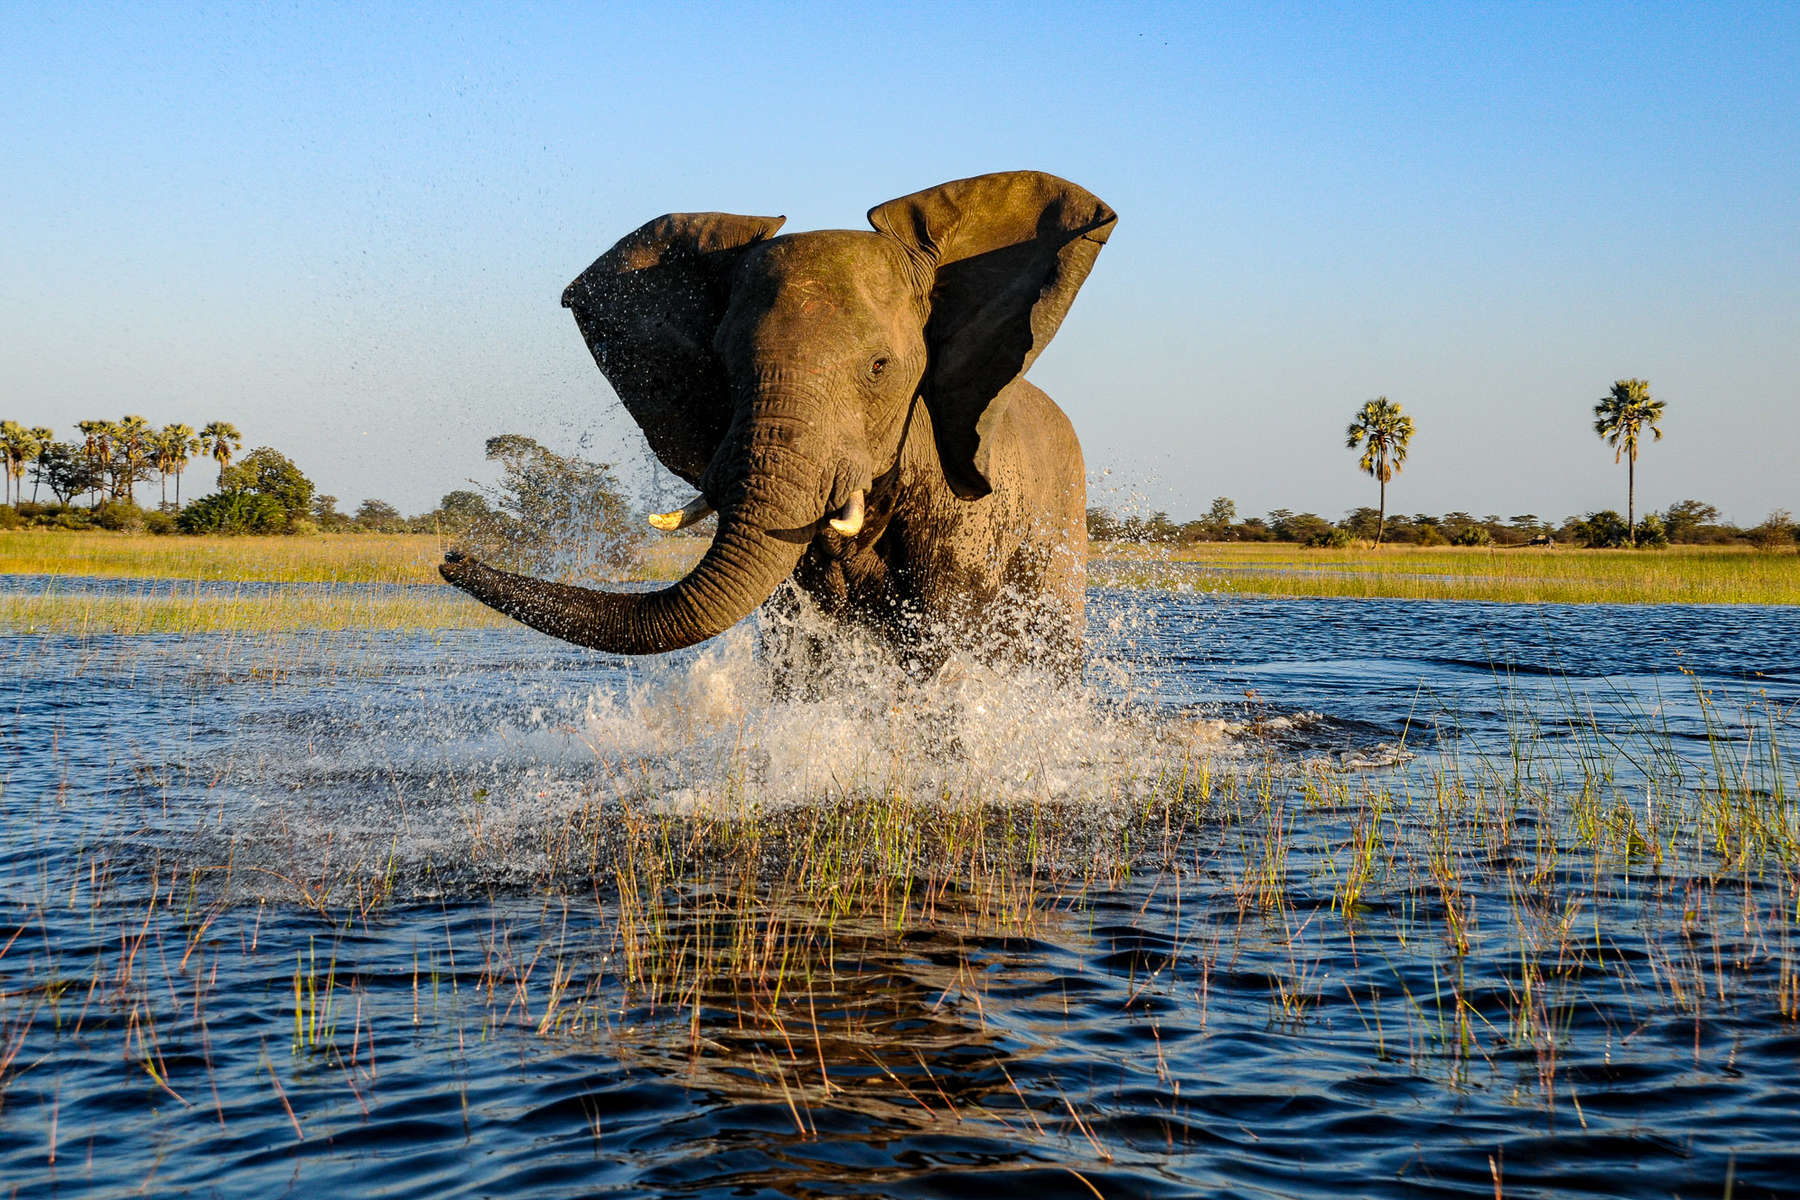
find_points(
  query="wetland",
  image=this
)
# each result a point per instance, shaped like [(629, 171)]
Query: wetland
[(1297, 896)]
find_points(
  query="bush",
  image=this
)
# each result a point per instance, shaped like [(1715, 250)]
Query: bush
[(1777, 532), (159, 522), (1652, 534), (233, 512), (68, 517), (302, 527), (1602, 530), (10, 518), (1330, 539), (1472, 535), (119, 517)]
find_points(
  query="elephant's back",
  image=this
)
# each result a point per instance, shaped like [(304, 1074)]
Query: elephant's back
[(1046, 454)]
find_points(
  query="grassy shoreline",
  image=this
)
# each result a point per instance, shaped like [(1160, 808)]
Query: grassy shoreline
[(1517, 575), (1680, 575)]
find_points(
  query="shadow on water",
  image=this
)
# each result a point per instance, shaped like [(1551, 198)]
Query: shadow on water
[(479, 913)]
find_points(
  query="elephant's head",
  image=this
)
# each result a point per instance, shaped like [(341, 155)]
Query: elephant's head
[(777, 375)]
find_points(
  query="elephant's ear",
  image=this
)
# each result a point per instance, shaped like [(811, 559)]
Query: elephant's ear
[(648, 309), (1008, 252)]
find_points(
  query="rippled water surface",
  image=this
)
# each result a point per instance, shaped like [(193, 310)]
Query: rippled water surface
[(1297, 897)]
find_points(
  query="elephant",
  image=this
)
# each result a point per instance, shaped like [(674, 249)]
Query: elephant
[(852, 404)]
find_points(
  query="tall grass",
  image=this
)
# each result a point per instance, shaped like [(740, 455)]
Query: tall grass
[(175, 609), (1677, 575), (323, 558)]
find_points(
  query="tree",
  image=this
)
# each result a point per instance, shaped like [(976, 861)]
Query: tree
[(1382, 431), (1776, 531), (268, 472), (1685, 519), (134, 442), (45, 437), (65, 468), (1101, 525), (1620, 418), (325, 514), (1215, 526), (19, 445), (461, 511), (555, 512), (97, 445), (378, 516), (221, 440), (175, 444), (1362, 522), (1299, 527)]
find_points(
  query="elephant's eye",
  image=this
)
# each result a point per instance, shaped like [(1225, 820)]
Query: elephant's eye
[(878, 366)]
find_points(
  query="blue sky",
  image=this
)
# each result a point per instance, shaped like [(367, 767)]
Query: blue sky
[(347, 228)]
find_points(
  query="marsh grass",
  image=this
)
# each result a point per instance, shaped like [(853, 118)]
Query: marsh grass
[(1482, 916), (1677, 575), (174, 609), (366, 578), (322, 558)]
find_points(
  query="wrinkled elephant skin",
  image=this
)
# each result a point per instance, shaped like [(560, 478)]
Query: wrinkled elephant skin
[(853, 406)]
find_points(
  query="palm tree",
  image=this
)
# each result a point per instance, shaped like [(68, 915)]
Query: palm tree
[(43, 435), (18, 444), (174, 446), (1619, 418), (136, 441), (98, 447), (220, 439), (1383, 431)]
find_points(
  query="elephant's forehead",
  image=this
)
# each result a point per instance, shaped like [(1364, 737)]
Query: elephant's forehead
[(841, 266)]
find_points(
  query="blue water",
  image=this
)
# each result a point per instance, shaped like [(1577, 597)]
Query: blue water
[(196, 823)]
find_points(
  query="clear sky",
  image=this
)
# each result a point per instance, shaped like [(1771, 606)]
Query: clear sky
[(346, 228)]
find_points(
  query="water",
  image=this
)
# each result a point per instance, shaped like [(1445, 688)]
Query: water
[(338, 910)]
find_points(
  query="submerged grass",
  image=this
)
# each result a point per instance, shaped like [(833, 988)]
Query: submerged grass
[(1496, 911)]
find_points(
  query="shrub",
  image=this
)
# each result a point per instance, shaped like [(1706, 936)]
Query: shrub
[(1333, 538), (10, 518), (159, 522), (233, 512), (119, 517), (1472, 535), (1777, 532), (1602, 530), (1652, 534)]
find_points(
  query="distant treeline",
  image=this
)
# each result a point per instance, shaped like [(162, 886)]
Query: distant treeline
[(546, 505), (1689, 522)]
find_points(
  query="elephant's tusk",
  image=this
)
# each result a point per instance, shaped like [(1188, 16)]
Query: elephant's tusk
[(849, 522), (696, 509)]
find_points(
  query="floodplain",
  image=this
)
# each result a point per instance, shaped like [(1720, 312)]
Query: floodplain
[(1312, 895)]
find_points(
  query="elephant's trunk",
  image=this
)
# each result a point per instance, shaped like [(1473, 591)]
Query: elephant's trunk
[(767, 516)]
